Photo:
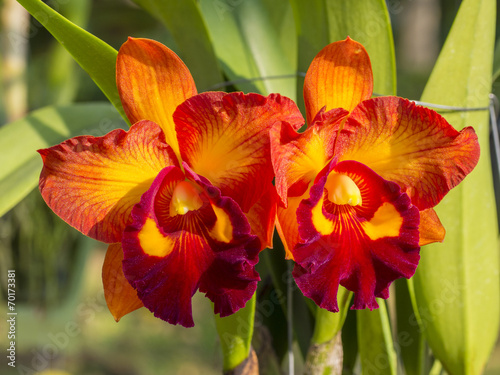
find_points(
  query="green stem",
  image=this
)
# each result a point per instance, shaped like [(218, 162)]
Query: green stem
[(325, 353), (328, 324), (326, 358), (235, 332)]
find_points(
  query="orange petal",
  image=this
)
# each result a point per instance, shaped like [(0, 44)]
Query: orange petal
[(152, 81), (262, 217), (286, 223), (225, 138), (298, 157), (431, 229), (411, 145), (121, 298), (340, 76), (92, 183)]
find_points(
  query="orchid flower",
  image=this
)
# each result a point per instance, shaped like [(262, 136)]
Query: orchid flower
[(184, 197), (358, 186)]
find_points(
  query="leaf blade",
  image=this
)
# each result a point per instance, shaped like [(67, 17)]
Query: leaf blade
[(95, 56), (456, 285), (376, 348), (42, 128), (191, 36), (256, 47)]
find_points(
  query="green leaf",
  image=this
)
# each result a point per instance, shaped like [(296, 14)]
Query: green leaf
[(96, 57), (496, 62), (350, 342), (376, 349), (302, 308), (311, 23), (184, 21), (62, 73), (456, 285), (256, 45), (19, 140), (368, 22), (320, 22), (235, 333), (410, 341)]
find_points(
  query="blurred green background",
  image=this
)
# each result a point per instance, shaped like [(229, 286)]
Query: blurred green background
[(63, 322)]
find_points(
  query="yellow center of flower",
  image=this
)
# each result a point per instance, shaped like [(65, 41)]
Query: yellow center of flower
[(185, 198), (342, 190)]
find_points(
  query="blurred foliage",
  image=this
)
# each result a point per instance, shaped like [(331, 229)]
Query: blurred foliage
[(39, 246)]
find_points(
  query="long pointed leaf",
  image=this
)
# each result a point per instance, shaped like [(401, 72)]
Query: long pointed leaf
[(368, 22), (63, 74), (457, 283), (410, 340), (95, 56), (19, 140), (376, 349), (184, 20), (319, 22), (256, 48)]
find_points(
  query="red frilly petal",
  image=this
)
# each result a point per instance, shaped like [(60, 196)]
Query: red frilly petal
[(168, 257), (363, 248)]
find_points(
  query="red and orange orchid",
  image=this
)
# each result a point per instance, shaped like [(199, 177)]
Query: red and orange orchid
[(358, 186), (184, 198)]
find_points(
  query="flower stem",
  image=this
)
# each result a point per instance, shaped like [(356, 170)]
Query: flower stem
[(325, 353), (235, 332), (328, 324)]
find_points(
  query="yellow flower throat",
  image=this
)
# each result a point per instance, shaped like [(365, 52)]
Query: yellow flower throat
[(342, 190)]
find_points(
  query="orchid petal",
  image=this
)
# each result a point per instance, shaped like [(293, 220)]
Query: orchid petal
[(361, 247), (340, 76), (168, 257), (152, 81), (286, 223), (298, 157), (410, 145), (225, 138), (262, 216), (430, 228), (121, 298), (92, 183)]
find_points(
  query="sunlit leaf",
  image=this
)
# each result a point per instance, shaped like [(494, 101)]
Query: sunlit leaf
[(457, 283), (95, 56), (250, 46), (320, 22), (19, 140), (184, 21), (496, 62)]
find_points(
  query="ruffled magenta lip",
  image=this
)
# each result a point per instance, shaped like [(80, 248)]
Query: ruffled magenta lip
[(191, 258), (353, 248)]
